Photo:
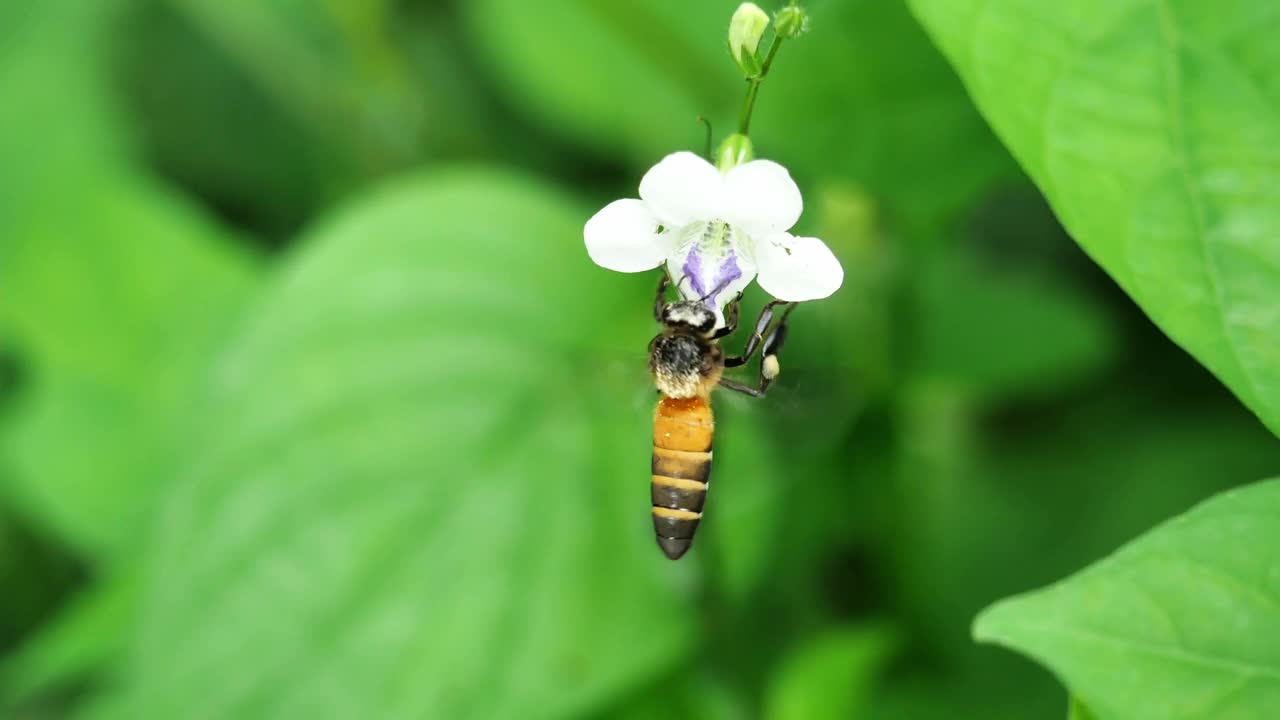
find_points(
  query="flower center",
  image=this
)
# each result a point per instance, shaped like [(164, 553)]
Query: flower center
[(716, 234), (707, 254)]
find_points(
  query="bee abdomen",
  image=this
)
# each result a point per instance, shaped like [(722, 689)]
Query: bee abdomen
[(681, 467), (680, 479)]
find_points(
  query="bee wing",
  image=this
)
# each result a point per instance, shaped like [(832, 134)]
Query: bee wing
[(641, 395), (628, 378), (814, 399), (804, 397)]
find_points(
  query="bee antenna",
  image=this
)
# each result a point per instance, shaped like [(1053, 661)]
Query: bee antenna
[(717, 289), (679, 282)]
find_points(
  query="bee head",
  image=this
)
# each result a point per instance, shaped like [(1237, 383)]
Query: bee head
[(689, 314)]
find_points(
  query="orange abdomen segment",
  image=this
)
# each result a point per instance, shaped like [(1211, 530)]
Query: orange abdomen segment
[(682, 433), (683, 424)]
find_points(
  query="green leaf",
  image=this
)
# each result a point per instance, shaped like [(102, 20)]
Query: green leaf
[(830, 677), (189, 109), (1003, 334), (422, 479), (1180, 624), (666, 60), (84, 637), (116, 290), (1078, 711), (1150, 125), (1127, 458), (54, 45), (35, 573), (693, 691), (333, 66), (117, 308), (315, 98)]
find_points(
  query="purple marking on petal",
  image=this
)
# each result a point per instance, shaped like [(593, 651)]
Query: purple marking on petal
[(729, 271), (693, 270)]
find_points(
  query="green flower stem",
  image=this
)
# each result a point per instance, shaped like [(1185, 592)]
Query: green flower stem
[(753, 85)]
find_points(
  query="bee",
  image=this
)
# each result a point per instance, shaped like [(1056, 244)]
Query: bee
[(687, 363)]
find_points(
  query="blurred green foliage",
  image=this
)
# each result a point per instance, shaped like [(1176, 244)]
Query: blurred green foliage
[(312, 404)]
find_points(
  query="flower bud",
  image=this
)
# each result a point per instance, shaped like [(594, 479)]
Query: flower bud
[(745, 30), (791, 22), (735, 150)]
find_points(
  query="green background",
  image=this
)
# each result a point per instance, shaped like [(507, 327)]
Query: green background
[(313, 406)]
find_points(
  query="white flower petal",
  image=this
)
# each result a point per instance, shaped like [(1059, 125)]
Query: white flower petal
[(683, 188), (624, 236), (761, 198), (797, 268)]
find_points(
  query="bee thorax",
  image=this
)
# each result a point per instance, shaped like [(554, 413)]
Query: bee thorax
[(683, 364), (689, 314), (677, 385)]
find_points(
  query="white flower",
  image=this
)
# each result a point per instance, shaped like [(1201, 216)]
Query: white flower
[(716, 231)]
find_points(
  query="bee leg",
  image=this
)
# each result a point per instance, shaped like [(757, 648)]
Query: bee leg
[(757, 336), (730, 320), (660, 297), (769, 367), (736, 386)]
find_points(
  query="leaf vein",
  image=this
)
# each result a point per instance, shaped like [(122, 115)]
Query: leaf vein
[(1182, 155)]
